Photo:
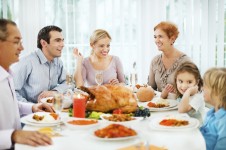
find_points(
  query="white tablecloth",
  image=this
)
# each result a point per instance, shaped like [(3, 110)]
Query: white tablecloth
[(81, 140)]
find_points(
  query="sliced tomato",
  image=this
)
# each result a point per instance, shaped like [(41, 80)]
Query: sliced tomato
[(117, 111)]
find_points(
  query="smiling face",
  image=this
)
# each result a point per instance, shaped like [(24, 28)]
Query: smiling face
[(184, 81), (162, 41), (101, 48), (11, 47), (55, 46)]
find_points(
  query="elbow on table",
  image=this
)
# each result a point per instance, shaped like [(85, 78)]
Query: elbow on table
[(181, 110)]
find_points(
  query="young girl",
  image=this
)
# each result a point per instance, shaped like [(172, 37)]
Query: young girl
[(214, 127), (188, 85)]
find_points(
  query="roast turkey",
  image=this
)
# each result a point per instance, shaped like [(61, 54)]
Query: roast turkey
[(106, 98)]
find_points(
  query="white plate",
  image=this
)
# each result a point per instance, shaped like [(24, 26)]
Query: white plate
[(25, 121), (45, 114), (122, 122), (193, 123), (44, 100), (74, 127), (93, 136), (172, 105), (113, 139)]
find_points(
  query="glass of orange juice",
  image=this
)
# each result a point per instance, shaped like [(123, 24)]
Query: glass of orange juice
[(79, 105)]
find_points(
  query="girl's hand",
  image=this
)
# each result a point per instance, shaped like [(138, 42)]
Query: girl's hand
[(192, 90), (168, 89), (113, 81), (77, 54)]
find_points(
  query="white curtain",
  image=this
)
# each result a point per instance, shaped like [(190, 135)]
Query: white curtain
[(130, 23), (152, 12), (30, 19)]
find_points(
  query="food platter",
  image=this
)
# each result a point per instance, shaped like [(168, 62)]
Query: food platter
[(47, 100), (130, 122), (28, 120), (93, 136), (192, 123), (172, 104), (69, 123), (114, 132)]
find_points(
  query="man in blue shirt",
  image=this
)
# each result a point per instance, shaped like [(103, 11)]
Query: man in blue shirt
[(41, 74)]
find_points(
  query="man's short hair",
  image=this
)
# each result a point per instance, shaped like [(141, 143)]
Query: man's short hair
[(44, 34), (3, 28)]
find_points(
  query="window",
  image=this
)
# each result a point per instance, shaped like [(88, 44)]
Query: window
[(79, 19), (201, 24), (130, 23)]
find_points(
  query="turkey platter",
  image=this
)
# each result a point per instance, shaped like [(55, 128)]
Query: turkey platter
[(106, 98)]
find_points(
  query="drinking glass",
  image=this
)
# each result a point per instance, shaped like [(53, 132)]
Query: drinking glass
[(133, 79), (79, 105), (58, 106), (99, 77), (69, 81)]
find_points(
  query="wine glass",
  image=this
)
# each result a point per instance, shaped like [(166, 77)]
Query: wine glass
[(69, 81), (133, 79), (99, 77), (58, 106)]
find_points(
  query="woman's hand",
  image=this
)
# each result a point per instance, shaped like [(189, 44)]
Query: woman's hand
[(77, 54), (168, 89), (113, 81)]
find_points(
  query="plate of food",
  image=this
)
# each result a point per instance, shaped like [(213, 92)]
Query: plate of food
[(80, 123), (172, 123), (114, 132), (43, 118), (125, 119), (159, 104), (48, 100)]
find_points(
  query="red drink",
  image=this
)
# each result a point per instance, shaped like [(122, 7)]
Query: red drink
[(79, 106)]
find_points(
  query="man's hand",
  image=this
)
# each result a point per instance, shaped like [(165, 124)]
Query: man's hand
[(45, 94), (33, 138), (42, 107)]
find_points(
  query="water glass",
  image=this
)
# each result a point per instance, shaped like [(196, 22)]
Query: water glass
[(99, 77), (58, 106)]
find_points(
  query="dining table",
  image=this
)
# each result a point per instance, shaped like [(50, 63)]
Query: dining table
[(82, 139)]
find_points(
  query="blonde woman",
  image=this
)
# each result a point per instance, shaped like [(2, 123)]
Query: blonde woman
[(99, 61)]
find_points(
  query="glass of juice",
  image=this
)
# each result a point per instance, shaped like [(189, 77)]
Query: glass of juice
[(79, 105)]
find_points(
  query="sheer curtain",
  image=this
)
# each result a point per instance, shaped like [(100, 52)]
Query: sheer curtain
[(202, 30), (130, 23), (30, 17)]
